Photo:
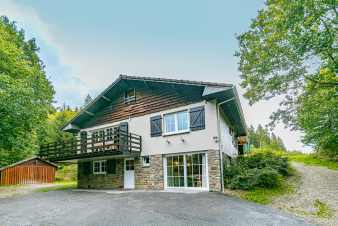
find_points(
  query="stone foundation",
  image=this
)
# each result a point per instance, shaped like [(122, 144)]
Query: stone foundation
[(101, 180), (214, 170), (146, 177), (149, 177)]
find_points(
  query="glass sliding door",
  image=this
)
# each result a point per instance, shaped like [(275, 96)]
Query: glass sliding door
[(188, 170)]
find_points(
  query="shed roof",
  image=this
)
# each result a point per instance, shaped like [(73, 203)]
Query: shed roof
[(26, 160)]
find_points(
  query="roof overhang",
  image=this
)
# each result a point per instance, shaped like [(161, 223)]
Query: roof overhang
[(230, 105), (209, 90)]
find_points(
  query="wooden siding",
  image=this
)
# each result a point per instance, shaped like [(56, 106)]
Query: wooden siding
[(27, 174), (148, 100)]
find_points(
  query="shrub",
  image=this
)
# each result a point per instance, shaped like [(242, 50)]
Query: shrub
[(262, 170)]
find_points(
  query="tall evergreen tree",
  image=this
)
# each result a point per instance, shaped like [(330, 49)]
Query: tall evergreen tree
[(25, 94)]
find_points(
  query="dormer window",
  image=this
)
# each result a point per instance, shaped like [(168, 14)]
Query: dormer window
[(129, 96)]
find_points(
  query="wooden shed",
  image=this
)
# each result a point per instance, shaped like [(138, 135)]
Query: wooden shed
[(29, 171)]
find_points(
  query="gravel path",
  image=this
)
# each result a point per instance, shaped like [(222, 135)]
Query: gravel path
[(316, 183)]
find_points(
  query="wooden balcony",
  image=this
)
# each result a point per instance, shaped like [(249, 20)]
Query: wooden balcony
[(117, 142)]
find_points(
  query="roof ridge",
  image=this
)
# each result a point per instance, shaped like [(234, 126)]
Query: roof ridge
[(171, 80)]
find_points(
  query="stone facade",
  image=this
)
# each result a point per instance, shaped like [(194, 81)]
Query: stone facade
[(101, 180), (146, 177), (214, 170), (149, 177)]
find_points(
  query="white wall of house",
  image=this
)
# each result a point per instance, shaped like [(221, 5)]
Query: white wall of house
[(199, 140), (226, 139)]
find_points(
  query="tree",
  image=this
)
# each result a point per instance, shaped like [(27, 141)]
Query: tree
[(25, 94), (291, 50), (88, 99), (261, 138), (52, 130)]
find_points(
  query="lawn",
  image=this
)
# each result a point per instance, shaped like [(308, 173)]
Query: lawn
[(312, 159), (60, 185)]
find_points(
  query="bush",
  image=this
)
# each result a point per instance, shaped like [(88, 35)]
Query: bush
[(263, 170)]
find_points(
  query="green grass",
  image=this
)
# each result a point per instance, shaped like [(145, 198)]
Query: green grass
[(266, 196), (312, 159), (62, 185), (66, 172), (323, 210)]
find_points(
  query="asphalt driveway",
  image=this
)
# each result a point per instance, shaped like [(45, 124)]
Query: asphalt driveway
[(136, 208)]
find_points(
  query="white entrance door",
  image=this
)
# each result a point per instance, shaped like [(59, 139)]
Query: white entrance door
[(129, 174)]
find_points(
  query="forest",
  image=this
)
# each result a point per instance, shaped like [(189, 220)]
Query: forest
[(274, 56)]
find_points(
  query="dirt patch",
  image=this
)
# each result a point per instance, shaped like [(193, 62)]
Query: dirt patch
[(13, 190), (315, 198)]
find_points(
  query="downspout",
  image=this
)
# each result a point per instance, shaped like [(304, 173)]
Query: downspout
[(219, 139)]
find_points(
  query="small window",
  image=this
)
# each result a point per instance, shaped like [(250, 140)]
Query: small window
[(145, 161), (129, 96), (176, 122), (100, 167)]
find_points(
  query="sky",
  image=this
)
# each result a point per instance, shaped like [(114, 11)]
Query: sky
[(86, 45)]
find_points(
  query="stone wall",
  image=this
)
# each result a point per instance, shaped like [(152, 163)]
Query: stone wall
[(214, 170), (149, 177), (146, 177), (101, 180)]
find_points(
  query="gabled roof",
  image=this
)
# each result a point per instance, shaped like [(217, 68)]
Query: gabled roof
[(210, 90), (26, 160)]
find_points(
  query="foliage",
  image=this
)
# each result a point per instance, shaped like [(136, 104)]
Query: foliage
[(52, 129), (62, 185), (312, 159), (261, 138), (266, 196), (66, 172), (323, 210), (25, 94), (256, 170), (290, 50)]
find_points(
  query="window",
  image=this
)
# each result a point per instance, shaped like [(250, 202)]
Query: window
[(146, 160), (129, 96), (187, 170), (130, 164), (100, 167), (176, 122)]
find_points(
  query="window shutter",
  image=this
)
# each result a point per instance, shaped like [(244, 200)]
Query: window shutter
[(197, 118), (111, 166), (156, 126), (87, 168)]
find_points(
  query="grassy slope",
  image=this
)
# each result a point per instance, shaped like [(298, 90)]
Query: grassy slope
[(312, 159), (266, 196)]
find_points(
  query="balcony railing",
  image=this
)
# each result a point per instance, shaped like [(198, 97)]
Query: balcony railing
[(117, 142)]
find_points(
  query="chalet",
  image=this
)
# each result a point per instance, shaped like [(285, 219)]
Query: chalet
[(154, 133)]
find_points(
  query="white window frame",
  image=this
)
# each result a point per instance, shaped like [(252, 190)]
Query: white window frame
[(100, 167), (144, 163), (176, 123), (166, 187), (129, 99)]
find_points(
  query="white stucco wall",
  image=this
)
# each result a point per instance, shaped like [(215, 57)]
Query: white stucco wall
[(226, 139), (193, 141)]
